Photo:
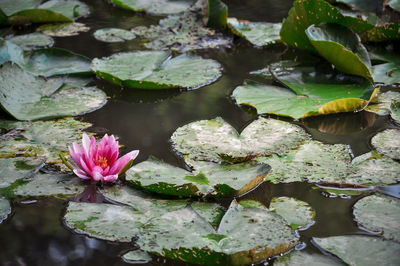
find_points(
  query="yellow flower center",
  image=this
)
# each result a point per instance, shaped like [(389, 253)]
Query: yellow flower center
[(101, 161)]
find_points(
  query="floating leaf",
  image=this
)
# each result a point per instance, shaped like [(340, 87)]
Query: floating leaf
[(388, 143), (361, 250), (394, 4), (363, 5), (182, 33), (13, 169), (10, 52), (10, 7), (64, 29), (384, 32), (296, 212), (299, 258), (215, 140), (217, 14), (72, 9), (5, 209), (383, 103), (245, 235), (388, 73), (156, 70), (379, 214), (155, 7), (258, 33), (395, 108), (313, 92), (340, 46), (32, 41), (113, 35), (220, 180), (136, 256), (28, 97)]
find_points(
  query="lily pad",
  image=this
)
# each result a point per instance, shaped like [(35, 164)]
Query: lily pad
[(361, 250), (72, 9), (182, 33), (13, 169), (155, 7), (383, 102), (45, 139), (157, 70), (299, 258), (246, 235), (312, 92), (258, 33), (32, 41), (387, 73), (51, 185), (113, 35), (10, 7), (395, 108), (379, 214), (216, 141), (384, 32), (388, 143), (208, 178), (63, 29), (395, 4), (5, 209), (296, 212), (29, 97), (56, 61), (136, 256), (342, 47), (10, 52)]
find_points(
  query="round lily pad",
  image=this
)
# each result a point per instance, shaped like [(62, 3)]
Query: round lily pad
[(136, 256), (383, 103), (13, 169), (5, 209), (155, 7), (300, 258), (215, 140), (296, 212), (63, 29), (156, 70), (32, 41), (113, 35), (29, 97), (388, 143), (258, 33), (381, 214), (207, 178), (387, 73), (361, 250), (72, 8)]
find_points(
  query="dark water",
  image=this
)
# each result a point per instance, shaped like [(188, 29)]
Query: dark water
[(144, 120)]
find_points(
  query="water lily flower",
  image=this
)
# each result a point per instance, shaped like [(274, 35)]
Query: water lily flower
[(99, 161)]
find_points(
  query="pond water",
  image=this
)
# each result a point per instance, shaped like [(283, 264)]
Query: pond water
[(35, 234)]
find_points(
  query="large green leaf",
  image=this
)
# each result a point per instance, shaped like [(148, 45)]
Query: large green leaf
[(32, 41), (72, 9), (217, 14), (10, 52), (388, 143), (258, 33), (215, 140), (28, 97), (10, 7), (387, 73), (207, 178), (361, 250), (156, 70), (379, 214), (341, 47), (300, 258), (384, 32), (395, 4), (155, 7), (313, 91), (14, 169), (113, 35), (5, 209), (383, 103), (308, 12)]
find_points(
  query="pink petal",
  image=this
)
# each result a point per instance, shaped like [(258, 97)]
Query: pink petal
[(121, 162), (92, 147), (110, 178), (74, 155), (84, 167), (97, 173), (81, 174), (85, 143)]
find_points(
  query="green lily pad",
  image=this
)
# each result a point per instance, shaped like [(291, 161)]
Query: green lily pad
[(13, 169), (63, 29), (299, 258), (5, 209), (216, 141), (32, 41), (388, 73), (56, 61), (342, 47), (10, 52), (44, 138), (388, 143), (306, 13), (136, 256), (384, 32), (28, 97), (182, 33), (208, 178), (394, 4), (217, 14), (258, 33), (155, 7), (156, 70), (312, 92), (113, 35), (379, 214), (245, 235), (10, 7), (361, 250), (395, 108), (383, 103), (296, 212), (72, 9), (51, 185)]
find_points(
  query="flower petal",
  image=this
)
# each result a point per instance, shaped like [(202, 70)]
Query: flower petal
[(121, 162), (97, 173), (81, 174), (85, 143), (110, 178)]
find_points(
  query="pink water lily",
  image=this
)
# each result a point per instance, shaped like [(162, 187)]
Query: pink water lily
[(99, 161)]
